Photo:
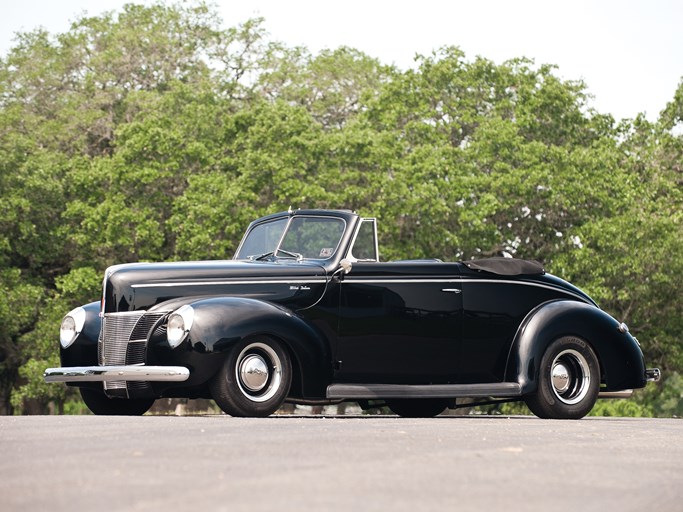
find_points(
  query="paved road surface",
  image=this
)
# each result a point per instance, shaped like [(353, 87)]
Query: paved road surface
[(296, 463)]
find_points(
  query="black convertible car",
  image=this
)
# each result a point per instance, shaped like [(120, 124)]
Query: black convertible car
[(306, 312)]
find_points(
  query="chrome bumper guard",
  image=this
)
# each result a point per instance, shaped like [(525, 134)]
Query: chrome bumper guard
[(653, 375), (131, 373)]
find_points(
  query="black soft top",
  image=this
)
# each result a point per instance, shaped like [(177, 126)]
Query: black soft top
[(506, 266)]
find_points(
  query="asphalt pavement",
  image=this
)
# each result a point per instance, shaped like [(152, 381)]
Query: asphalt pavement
[(299, 463)]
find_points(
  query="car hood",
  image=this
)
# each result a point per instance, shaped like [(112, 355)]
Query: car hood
[(141, 286)]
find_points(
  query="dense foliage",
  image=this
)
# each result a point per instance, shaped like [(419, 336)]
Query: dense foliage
[(155, 133)]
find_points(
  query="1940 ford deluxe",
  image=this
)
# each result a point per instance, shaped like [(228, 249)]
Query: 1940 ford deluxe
[(306, 312)]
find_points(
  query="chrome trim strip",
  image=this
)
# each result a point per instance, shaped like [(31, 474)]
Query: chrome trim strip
[(349, 250), (284, 231), (290, 215), (133, 373), (528, 283), (357, 280), (624, 393), (139, 313), (109, 271), (214, 283)]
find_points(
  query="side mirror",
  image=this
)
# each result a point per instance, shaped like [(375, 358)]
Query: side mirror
[(345, 266)]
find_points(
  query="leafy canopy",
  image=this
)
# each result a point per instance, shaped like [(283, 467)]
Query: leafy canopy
[(155, 133)]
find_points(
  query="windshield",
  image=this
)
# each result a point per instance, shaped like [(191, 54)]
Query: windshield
[(298, 237)]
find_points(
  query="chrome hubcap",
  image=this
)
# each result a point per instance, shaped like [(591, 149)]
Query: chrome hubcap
[(570, 376), (258, 372), (560, 378), (254, 372)]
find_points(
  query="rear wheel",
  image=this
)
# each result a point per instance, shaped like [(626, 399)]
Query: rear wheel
[(417, 407), (568, 380), (102, 405), (254, 379)]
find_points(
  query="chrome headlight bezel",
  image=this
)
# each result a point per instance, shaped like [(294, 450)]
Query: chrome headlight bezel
[(71, 327), (178, 325)]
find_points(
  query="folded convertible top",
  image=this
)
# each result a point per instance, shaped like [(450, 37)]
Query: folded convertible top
[(506, 266)]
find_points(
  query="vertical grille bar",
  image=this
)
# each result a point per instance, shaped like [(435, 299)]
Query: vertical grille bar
[(123, 340), (116, 333)]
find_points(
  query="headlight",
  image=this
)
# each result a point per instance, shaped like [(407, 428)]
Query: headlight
[(179, 324), (72, 325)]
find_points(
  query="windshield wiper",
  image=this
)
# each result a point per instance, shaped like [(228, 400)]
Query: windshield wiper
[(296, 255), (260, 256), (265, 255)]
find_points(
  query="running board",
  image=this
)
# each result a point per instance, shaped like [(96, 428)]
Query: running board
[(371, 391)]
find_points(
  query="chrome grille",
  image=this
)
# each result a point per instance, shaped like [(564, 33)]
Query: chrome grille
[(116, 331), (123, 341), (136, 352)]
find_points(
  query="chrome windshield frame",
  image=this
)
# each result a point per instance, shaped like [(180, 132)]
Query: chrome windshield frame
[(291, 216)]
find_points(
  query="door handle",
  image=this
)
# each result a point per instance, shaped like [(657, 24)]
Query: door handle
[(451, 290)]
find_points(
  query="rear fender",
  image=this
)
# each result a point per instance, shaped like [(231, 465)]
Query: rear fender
[(222, 322), (621, 360)]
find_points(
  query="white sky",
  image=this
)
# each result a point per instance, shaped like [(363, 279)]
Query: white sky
[(629, 52)]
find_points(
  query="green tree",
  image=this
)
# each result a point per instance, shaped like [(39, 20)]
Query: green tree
[(154, 133), (20, 302), (631, 261), (101, 128), (333, 85)]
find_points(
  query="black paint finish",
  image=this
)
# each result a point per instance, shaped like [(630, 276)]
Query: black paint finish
[(383, 324)]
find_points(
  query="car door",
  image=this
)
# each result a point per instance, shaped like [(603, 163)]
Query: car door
[(399, 323)]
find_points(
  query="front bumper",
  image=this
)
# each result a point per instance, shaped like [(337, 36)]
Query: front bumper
[(128, 373)]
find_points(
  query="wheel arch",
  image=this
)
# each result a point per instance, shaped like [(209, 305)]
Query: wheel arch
[(621, 360), (222, 322)]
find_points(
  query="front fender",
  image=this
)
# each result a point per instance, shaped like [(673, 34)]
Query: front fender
[(83, 351), (621, 360), (222, 322)]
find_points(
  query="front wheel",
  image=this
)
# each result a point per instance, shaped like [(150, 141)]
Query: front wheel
[(254, 379), (568, 380), (101, 405)]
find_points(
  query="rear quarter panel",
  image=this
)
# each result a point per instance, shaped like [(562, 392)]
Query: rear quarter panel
[(493, 310)]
